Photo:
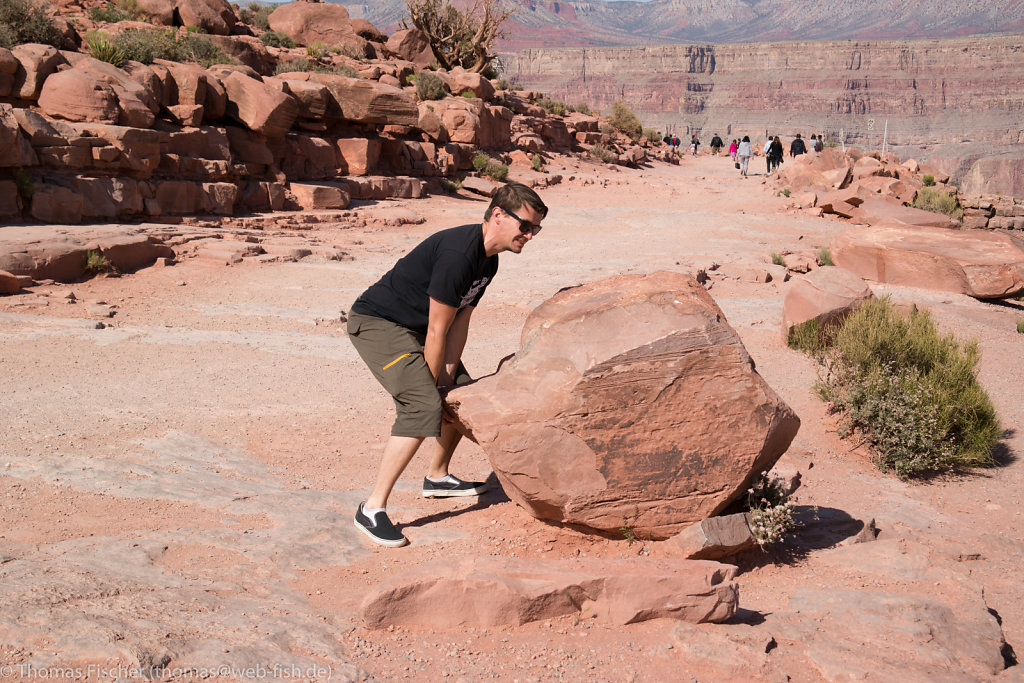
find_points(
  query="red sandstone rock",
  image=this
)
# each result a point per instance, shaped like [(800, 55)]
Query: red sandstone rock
[(56, 204), (161, 10), (17, 150), (713, 538), (248, 50), (307, 23), (8, 68), (213, 16), (460, 81), (9, 283), (359, 155), (978, 263), (36, 64), (79, 96), (218, 198), (826, 295), (311, 97), (108, 197), (876, 210), (365, 29), (479, 186), (411, 44), (369, 101), (260, 107), (494, 591), (10, 200), (185, 83), (311, 197), (630, 399)]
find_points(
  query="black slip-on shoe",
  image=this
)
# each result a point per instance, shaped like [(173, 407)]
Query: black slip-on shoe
[(379, 528), (452, 487)]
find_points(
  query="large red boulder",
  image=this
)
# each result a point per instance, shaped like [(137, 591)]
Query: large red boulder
[(35, 64), (826, 295), (213, 16), (878, 210), (77, 95), (317, 22), (262, 108), (978, 263), (631, 402), (500, 591), (411, 44), (363, 101)]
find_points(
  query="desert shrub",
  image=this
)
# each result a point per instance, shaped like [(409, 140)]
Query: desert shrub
[(551, 106), (777, 259), (103, 48), (928, 180), (537, 161), (95, 262), (606, 129), (22, 21), (652, 136), (146, 45), (912, 393), (468, 94), (451, 186), (503, 84), (582, 108), (1020, 327), (119, 10), (625, 121), (460, 37), (771, 512), (302, 64), (257, 15), (605, 154), (485, 165), (350, 51), (277, 39), (316, 51), (825, 257), (429, 86), (937, 201), (23, 181)]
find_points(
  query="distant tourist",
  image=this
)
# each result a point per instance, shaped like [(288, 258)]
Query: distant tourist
[(694, 144), (744, 152), (797, 147), (818, 144), (775, 153), (716, 145), (767, 154), (733, 146)]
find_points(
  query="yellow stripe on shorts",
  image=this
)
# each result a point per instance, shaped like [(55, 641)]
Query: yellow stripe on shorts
[(404, 355)]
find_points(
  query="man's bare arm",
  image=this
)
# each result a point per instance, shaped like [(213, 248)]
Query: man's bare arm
[(455, 344), (439, 322)]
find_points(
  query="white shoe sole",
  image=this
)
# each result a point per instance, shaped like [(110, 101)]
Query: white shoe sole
[(381, 541), (454, 494)]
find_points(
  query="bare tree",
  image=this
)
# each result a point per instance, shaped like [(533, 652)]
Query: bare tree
[(460, 38)]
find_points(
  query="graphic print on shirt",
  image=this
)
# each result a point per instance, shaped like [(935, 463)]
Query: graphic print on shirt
[(474, 289)]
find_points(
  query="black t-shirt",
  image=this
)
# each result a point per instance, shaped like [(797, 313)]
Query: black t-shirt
[(450, 266)]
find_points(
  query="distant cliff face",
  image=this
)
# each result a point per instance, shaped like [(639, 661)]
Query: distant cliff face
[(931, 93)]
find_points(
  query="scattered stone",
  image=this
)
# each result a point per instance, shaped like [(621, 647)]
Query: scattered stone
[(713, 538), (826, 294), (479, 186)]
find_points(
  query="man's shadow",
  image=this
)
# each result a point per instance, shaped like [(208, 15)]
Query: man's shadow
[(492, 496)]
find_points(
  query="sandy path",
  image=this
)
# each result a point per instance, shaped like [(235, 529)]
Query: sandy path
[(178, 487)]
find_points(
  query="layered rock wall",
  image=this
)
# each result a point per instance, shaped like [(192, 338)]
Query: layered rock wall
[(929, 92)]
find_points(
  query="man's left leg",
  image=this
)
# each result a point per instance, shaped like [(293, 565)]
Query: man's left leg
[(439, 483)]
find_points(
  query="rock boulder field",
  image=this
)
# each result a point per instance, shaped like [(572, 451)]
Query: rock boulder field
[(630, 403), (978, 263)]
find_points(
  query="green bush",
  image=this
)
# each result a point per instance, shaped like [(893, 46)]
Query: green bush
[(777, 259), (145, 45), (302, 64), (119, 10), (653, 136), (825, 257), (771, 511), (429, 86), (605, 154), (277, 39), (485, 165), (23, 181), (551, 106), (22, 21), (538, 162), (606, 129), (257, 15), (928, 180), (316, 51), (95, 262), (451, 186), (503, 84), (937, 201), (468, 94), (582, 108), (625, 121), (1020, 327), (912, 393), (103, 48)]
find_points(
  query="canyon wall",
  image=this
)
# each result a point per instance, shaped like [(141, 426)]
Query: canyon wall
[(960, 100)]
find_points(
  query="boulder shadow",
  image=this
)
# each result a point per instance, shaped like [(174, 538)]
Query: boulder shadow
[(818, 528), (493, 496)]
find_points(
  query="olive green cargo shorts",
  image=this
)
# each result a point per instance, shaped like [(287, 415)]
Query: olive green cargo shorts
[(394, 355)]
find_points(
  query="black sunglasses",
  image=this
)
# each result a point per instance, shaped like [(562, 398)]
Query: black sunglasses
[(524, 226)]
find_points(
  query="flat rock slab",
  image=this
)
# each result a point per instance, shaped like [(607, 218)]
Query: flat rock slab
[(978, 263), (631, 403), (826, 295), (500, 591), (58, 252)]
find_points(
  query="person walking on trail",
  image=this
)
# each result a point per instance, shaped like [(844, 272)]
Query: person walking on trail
[(716, 145), (767, 154), (694, 144), (797, 147), (411, 327), (744, 152), (733, 146), (775, 153)]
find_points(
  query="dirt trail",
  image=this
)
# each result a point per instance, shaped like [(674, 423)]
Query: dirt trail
[(178, 486)]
